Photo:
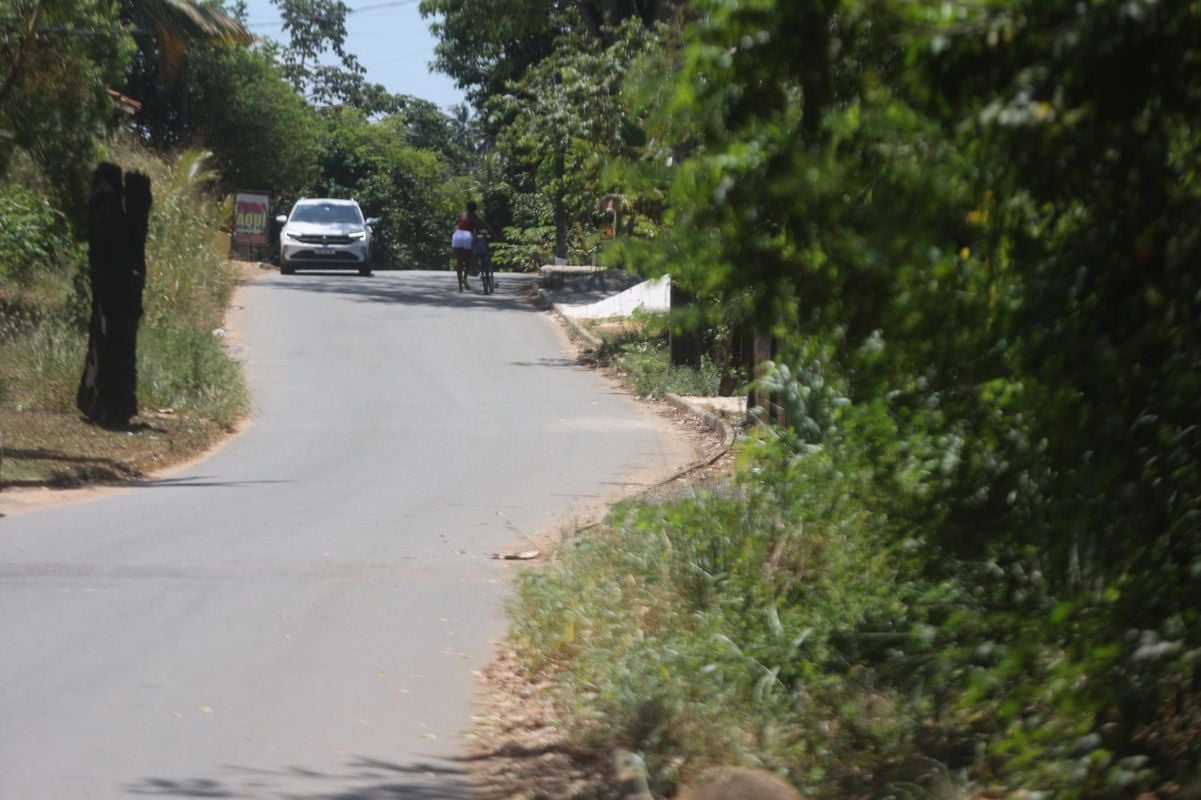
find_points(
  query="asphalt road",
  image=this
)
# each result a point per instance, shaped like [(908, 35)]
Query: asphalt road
[(299, 615)]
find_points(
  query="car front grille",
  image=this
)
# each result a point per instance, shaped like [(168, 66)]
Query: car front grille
[(326, 240), (312, 255)]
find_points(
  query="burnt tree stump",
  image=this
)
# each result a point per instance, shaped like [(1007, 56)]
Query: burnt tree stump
[(685, 344), (118, 220)]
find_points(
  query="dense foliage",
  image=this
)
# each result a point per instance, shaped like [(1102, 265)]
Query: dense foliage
[(34, 237), (970, 230), (53, 103), (262, 133)]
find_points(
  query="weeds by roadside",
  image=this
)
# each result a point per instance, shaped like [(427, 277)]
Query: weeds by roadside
[(710, 630), (796, 618), (638, 349)]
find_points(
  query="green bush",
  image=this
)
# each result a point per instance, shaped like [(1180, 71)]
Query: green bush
[(801, 617), (34, 238), (640, 352)]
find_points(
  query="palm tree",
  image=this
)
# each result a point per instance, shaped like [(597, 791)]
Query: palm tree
[(179, 24), (166, 31), (176, 25), (13, 58)]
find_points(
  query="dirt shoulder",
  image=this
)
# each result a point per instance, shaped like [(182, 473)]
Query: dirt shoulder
[(515, 748)]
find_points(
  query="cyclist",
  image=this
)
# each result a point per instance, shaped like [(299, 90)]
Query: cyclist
[(468, 225)]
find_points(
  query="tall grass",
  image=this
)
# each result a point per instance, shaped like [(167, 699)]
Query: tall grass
[(799, 618), (641, 353), (189, 284), (188, 287), (709, 630), (41, 357)]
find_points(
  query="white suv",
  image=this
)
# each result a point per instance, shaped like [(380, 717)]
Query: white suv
[(323, 233)]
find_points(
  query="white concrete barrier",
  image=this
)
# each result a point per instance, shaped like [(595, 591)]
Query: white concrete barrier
[(650, 295)]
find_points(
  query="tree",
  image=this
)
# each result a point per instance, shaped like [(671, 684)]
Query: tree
[(564, 121), (315, 29), (428, 128), (56, 65), (604, 17), (487, 45), (166, 32), (261, 132)]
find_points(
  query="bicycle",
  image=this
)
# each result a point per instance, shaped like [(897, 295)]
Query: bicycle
[(482, 256)]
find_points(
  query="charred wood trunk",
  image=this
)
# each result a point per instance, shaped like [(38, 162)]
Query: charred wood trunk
[(686, 344), (118, 220)]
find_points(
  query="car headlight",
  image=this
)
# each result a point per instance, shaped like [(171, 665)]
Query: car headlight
[(292, 236), (357, 234)]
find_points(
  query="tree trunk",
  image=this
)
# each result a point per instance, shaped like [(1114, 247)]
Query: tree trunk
[(118, 220), (560, 209), (686, 346)]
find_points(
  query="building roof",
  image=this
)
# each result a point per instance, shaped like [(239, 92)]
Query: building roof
[(124, 105)]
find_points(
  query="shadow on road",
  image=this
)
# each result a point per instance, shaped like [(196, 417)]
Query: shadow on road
[(78, 469), (363, 779), (413, 288), (201, 481)]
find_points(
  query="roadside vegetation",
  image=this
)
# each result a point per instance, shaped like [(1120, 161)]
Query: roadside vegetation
[(190, 390), (964, 559), (638, 348)]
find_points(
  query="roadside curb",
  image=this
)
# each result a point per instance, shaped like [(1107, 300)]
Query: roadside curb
[(542, 300), (576, 328), (715, 423)]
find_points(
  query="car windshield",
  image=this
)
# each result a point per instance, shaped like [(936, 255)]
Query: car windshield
[(325, 212)]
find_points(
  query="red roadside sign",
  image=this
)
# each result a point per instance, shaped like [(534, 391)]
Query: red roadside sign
[(251, 211)]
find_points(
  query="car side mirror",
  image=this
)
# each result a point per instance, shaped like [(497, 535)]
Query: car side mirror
[(372, 221), (281, 219)]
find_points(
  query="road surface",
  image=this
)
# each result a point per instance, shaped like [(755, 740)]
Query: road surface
[(299, 615)]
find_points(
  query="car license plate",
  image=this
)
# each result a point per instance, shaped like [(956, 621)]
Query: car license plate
[(325, 251)]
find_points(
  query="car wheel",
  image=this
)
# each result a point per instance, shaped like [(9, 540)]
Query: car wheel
[(286, 269), (365, 272)]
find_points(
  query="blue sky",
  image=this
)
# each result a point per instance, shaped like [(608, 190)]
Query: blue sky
[(389, 37)]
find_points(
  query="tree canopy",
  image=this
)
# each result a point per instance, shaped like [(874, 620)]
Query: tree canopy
[(262, 133)]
